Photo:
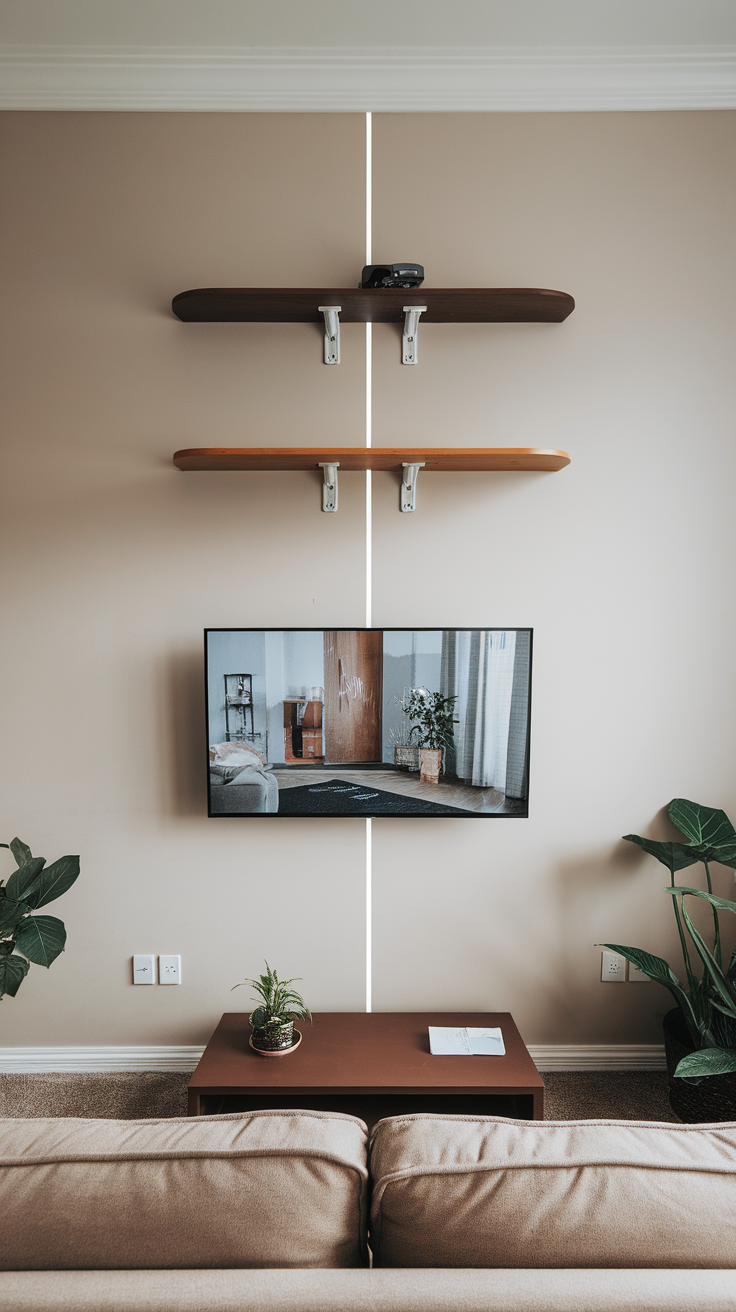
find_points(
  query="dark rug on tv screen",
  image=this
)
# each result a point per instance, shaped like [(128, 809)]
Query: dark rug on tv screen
[(338, 797)]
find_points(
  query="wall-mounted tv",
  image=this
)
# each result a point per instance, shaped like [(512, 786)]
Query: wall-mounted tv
[(368, 722)]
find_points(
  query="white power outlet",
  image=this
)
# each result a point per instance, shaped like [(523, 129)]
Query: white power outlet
[(144, 970), (613, 968), (169, 970)]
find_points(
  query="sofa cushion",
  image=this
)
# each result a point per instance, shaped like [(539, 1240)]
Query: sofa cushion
[(461, 1191), (368, 1291), (269, 1189)]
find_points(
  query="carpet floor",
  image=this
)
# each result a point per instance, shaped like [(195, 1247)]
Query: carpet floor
[(570, 1095), (338, 797)]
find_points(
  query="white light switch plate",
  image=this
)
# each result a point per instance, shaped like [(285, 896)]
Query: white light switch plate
[(637, 976), (144, 970), (169, 970)]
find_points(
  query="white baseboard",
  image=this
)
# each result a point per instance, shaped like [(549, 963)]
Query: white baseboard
[(552, 1057), (599, 1057), (96, 1060), (391, 79)]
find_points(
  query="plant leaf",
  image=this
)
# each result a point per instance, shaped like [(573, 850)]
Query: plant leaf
[(54, 881), (707, 828), (41, 939), (725, 990), (10, 914), (675, 856), (24, 878), (708, 1061), (13, 971), (21, 851), (721, 903), (258, 1018)]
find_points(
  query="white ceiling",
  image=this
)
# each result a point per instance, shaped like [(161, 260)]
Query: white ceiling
[(354, 55)]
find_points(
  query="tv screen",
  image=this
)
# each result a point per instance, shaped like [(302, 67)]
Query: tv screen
[(368, 722)]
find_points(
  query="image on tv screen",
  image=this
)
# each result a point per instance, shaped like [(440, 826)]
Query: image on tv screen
[(368, 722)]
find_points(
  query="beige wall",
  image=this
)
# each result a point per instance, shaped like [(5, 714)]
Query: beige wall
[(113, 562)]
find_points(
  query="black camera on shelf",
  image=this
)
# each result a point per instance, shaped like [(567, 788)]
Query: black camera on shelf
[(392, 275)]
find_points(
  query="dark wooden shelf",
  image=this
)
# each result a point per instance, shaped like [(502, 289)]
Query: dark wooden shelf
[(372, 305), (350, 458)]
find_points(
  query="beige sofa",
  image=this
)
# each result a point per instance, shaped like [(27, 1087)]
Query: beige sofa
[(274, 1210)]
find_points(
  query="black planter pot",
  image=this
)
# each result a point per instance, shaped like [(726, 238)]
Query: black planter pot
[(708, 1098)]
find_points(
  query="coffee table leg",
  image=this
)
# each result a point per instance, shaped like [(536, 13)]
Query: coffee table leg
[(193, 1103), (539, 1104)]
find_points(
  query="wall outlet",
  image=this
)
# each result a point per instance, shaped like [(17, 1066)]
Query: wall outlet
[(144, 970), (169, 970), (613, 968), (637, 976)]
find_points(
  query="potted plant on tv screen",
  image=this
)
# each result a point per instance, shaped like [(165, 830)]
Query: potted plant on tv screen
[(433, 716), (273, 1019), (700, 1032)]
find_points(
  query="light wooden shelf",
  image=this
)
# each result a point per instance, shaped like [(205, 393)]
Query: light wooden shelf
[(351, 458), (372, 305)]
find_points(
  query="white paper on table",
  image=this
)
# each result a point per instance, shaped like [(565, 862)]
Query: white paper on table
[(486, 1043), (446, 1041)]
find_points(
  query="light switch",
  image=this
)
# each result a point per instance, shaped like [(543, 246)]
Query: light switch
[(144, 970), (169, 970)]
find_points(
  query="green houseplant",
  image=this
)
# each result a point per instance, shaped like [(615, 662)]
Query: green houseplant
[(706, 1000), (24, 936), (433, 717), (273, 1019)]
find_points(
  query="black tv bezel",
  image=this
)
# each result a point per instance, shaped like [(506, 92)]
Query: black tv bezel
[(374, 628)]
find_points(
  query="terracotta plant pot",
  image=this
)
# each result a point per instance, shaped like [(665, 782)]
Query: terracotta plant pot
[(430, 765), (700, 1099)]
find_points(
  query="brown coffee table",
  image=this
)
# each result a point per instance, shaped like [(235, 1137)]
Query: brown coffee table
[(370, 1065)]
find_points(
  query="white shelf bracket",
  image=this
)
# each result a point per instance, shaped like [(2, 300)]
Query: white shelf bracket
[(329, 486), (332, 332), (409, 340), (409, 485)]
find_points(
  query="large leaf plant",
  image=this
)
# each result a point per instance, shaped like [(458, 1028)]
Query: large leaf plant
[(707, 998), (24, 936)]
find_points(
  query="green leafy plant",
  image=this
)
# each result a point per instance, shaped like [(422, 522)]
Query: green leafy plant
[(707, 999), (25, 937), (433, 716), (280, 1005)]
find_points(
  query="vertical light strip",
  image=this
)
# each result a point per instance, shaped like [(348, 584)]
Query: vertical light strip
[(368, 543)]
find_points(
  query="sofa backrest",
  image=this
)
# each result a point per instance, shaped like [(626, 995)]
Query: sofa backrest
[(269, 1189), (460, 1191)]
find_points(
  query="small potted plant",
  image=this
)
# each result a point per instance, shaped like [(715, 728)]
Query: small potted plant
[(433, 717), (273, 1019)]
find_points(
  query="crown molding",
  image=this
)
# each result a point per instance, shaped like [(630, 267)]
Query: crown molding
[(355, 79), (555, 1057)]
